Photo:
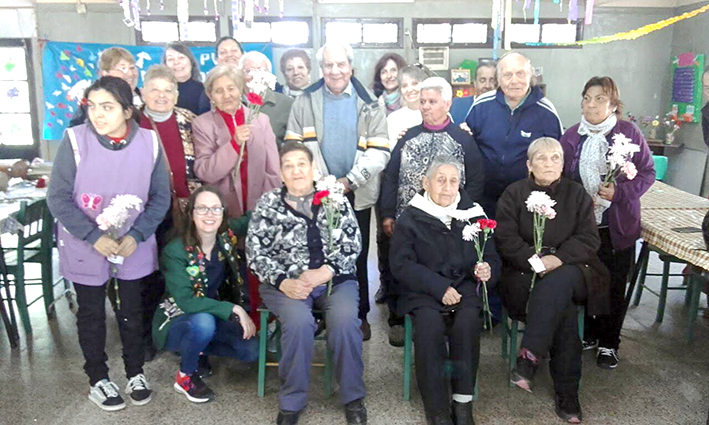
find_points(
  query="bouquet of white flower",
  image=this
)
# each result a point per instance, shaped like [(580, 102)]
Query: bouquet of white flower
[(542, 207)]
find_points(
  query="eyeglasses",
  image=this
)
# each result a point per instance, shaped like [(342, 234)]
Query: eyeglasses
[(201, 210)]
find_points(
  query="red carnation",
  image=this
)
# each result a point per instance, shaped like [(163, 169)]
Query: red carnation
[(188, 248), (487, 224), (319, 196), (254, 99), (200, 256)]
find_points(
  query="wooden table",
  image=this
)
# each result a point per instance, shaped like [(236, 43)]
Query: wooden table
[(665, 209)]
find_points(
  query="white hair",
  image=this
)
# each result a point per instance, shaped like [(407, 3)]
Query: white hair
[(335, 44), (441, 160), (440, 84), (527, 66), (255, 57)]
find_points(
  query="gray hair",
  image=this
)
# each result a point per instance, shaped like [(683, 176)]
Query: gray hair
[(439, 84), (527, 65), (441, 160), (544, 144), (331, 45), (255, 57), (219, 71), (160, 72)]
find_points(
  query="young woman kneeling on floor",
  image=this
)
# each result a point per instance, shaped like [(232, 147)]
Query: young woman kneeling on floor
[(200, 314)]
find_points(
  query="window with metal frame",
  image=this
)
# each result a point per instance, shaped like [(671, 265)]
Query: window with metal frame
[(19, 134), (547, 31), (290, 32), (453, 32), (199, 30), (365, 32)]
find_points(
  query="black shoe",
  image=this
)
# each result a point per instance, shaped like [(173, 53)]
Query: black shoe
[(356, 413), (607, 358), (397, 335), (440, 419), (366, 330), (568, 407), (193, 388), (105, 395), (138, 390), (463, 413), (589, 344), (204, 368), (525, 370), (287, 417), (380, 296)]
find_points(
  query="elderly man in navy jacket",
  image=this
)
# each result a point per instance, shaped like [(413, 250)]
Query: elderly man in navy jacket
[(505, 121)]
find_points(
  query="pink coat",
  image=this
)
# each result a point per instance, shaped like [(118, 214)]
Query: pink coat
[(216, 158)]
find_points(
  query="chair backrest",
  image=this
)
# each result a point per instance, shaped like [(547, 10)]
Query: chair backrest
[(36, 223), (660, 166)]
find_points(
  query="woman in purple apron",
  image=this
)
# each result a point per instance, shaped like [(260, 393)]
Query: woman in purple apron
[(107, 156)]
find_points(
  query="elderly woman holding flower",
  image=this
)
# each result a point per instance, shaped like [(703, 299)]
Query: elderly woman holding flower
[(594, 149), (568, 270), (305, 261), (434, 257)]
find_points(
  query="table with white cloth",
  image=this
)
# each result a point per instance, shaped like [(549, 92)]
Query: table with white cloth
[(671, 223)]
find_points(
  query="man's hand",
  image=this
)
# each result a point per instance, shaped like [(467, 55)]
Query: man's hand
[(607, 192), (451, 297), (483, 271), (388, 226), (106, 246), (296, 289), (551, 262), (403, 132), (346, 183), (127, 246), (246, 323), (316, 277)]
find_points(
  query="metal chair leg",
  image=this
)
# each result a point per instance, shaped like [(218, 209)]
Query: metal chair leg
[(408, 342), (512, 359), (663, 292), (696, 282), (644, 261), (505, 330), (263, 341)]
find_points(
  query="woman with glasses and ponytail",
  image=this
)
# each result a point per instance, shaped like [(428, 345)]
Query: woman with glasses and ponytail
[(200, 314)]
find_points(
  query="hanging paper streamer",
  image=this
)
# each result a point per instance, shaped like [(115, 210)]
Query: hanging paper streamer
[(248, 13), (162, 4), (147, 6), (127, 20), (589, 12), (496, 25), (216, 10), (183, 16), (266, 6), (573, 10), (508, 23), (206, 9), (235, 14), (135, 6), (527, 5), (536, 12), (631, 35), (280, 7)]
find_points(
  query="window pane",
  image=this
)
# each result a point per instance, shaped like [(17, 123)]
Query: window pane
[(433, 33), (380, 33), (523, 33), (290, 32), (16, 129), (558, 33), (14, 96), (159, 32), (200, 31), (12, 63), (260, 32), (470, 33), (347, 32)]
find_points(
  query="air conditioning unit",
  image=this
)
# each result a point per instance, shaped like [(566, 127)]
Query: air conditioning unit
[(435, 58)]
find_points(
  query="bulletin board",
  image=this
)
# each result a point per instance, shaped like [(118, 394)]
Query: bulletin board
[(687, 71)]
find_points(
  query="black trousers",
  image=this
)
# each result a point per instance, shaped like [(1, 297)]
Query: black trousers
[(364, 218), (389, 285), (91, 323), (607, 328), (552, 325), (462, 328)]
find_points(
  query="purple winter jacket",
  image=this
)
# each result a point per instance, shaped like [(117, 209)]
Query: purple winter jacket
[(624, 212)]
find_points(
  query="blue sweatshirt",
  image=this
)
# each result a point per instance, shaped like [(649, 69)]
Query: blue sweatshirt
[(503, 136)]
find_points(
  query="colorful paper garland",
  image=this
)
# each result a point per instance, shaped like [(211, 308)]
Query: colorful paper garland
[(633, 34)]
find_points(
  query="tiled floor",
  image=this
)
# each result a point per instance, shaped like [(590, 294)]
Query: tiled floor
[(661, 380)]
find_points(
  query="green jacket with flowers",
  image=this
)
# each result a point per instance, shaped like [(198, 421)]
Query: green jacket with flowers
[(179, 265)]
